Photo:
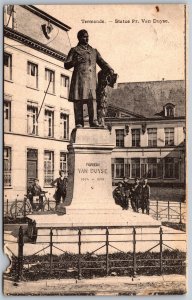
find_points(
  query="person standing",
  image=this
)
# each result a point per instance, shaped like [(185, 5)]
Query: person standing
[(136, 195), (145, 196), (83, 58), (127, 188), (61, 187)]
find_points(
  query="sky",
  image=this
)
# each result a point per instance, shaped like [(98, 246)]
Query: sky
[(137, 51)]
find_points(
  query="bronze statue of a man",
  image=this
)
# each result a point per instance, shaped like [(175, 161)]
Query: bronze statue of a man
[(83, 58)]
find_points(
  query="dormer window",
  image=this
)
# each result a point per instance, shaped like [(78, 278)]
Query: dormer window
[(169, 110)]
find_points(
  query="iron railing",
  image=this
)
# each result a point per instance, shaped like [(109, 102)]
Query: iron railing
[(168, 211), (112, 240)]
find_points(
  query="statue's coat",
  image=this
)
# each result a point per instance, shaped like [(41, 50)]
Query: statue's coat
[(84, 79)]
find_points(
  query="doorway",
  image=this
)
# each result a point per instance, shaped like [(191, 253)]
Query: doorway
[(32, 163)]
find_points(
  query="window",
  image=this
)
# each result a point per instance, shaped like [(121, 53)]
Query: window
[(143, 167), (49, 81), (49, 123), (159, 168), (63, 162), (64, 86), (135, 137), (48, 167), (112, 167), (152, 137), (32, 75), (169, 110), (7, 166), (176, 168), (32, 125), (119, 168), (120, 138), (135, 167), (169, 136), (7, 66), (7, 116), (64, 126), (152, 168), (126, 167), (171, 167)]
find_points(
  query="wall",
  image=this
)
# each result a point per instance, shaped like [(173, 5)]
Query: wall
[(160, 125), (160, 152), (20, 93)]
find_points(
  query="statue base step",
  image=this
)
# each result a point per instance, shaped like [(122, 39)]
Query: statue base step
[(40, 225)]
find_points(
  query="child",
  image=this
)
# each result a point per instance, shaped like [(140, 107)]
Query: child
[(119, 195)]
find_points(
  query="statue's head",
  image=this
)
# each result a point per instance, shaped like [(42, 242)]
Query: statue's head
[(83, 37)]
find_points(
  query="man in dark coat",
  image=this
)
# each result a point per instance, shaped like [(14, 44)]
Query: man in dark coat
[(83, 58), (135, 196), (127, 189), (35, 190), (61, 187), (145, 196)]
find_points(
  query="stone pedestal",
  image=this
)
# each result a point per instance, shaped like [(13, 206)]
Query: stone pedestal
[(89, 165)]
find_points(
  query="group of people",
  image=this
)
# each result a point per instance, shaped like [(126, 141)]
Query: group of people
[(136, 194), (59, 183)]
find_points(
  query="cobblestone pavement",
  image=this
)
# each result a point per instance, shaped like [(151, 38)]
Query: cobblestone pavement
[(143, 285)]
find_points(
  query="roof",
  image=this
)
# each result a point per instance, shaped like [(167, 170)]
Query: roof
[(46, 16), (149, 98), (31, 30)]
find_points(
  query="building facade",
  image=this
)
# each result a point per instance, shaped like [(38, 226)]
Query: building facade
[(150, 144), (37, 115)]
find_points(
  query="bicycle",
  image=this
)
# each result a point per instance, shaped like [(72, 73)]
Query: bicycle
[(21, 208)]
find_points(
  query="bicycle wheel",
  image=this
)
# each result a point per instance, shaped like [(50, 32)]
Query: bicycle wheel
[(17, 209), (49, 205)]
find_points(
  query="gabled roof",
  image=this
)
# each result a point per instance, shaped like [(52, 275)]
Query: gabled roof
[(148, 98), (46, 16), (31, 30)]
